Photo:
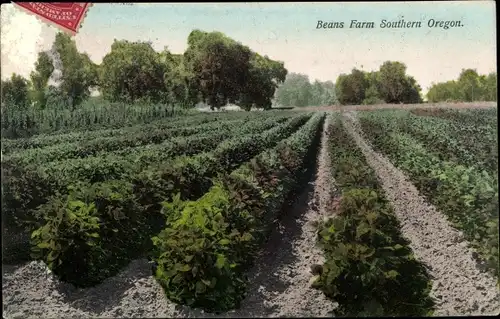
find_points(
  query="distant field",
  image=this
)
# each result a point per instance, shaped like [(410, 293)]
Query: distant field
[(461, 105)]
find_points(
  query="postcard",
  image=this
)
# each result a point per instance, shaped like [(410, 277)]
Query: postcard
[(257, 159)]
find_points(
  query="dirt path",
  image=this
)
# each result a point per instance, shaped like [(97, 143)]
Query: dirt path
[(279, 283), (460, 287)]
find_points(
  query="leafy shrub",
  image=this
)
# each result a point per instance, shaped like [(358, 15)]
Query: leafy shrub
[(90, 233), (369, 269)]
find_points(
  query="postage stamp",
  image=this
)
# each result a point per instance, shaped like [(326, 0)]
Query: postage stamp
[(67, 16), (251, 159)]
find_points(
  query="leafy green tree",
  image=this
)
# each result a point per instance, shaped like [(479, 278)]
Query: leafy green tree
[(176, 79), (132, 71), (490, 87), (264, 77), (322, 93), (295, 91), (372, 95), (44, 69), (218, 67), (15, 90), (446, 91), (77, 72), (395, 86), (351, 88), (470, 86)]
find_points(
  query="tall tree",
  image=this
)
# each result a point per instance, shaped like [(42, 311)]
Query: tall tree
[(295, 91), (351, 88), (133, 71), (218, 66), (469, 85), (264, 77), (77, 72), (40, 79)]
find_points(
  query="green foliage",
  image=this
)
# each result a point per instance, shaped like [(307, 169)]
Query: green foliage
[(189, 122), (364, 249), (40, 79), (15, 91), (264, 77), (29, 182), (365, 253), (469, 87), (395, 86), (225, 71), (390, 84), (468, 195), (218, 65), (207, 245), (132, 71), (471, 142), (18, 122), (297, 91), (133, 192), (77, 72), (89, 234), (351, 87)]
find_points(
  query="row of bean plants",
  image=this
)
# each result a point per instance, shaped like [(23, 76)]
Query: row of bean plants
[(457, 142), (466, 194), (12, 145), (207, 245), (93, 230), (369, 268), (105, 145)]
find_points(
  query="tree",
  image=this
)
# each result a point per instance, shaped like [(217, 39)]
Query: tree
[(351, 88), (223, 71), (395, 86), (490, 87), (133, 71), (218, 67), (40, 79), (372, 95), (15, 90), (176, 79), (295, 91), (77, 72), (264, 77), (470, 86)]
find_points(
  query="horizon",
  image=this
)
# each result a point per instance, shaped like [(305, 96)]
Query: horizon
[(283, 31)]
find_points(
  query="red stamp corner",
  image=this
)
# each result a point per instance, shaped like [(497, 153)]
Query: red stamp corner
[(66, 16)]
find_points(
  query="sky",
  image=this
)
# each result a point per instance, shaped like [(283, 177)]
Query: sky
[(283, 31)]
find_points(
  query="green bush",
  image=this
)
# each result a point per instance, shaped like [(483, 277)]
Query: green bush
[(369, 268), (92, 232)]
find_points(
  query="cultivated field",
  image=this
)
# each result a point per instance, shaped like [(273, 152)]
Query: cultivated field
[(256, 214), (446, 105)]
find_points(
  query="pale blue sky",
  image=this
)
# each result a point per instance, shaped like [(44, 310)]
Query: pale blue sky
[(287, 32)]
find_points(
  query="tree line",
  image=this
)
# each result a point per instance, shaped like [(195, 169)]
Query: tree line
[(214, 69), (469, 87)]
